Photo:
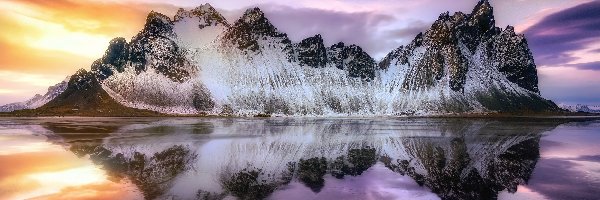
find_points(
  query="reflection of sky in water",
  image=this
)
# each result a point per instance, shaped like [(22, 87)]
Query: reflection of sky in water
[(378, 182), (33, 166), (569, 165), (30, 167)]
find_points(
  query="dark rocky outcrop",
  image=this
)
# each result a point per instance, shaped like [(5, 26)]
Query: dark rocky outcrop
[(440, 53), (252, 27), (312, 52), (84, 96), (352, 59), (114, 60), (511, 55), (155, 47)]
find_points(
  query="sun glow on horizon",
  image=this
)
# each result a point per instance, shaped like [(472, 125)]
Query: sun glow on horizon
[(50, 35), (54, 182), (38, 169)]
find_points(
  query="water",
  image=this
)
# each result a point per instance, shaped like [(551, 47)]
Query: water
[(306, 158)]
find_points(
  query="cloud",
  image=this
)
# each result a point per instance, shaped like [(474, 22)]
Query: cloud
[(569, 84), (587, 66), (360, 28), (589, 158), (409, 32), (58, 37), (555, 37)]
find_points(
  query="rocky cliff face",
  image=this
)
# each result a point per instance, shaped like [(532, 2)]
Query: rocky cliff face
[(453, 41), (312, 52), (252, 28), (199, 62), (352, 59), (459, 50)]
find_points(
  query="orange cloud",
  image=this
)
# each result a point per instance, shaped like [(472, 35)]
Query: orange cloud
[(53, 39)]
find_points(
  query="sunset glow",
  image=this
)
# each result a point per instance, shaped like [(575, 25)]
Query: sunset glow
[(42, 42), (43, 170)]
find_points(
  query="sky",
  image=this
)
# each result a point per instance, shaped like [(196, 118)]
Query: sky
[(42, 42)]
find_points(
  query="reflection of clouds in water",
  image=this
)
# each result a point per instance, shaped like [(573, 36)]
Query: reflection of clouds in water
[(523, 193), (565, 179), (34, 168), (377, 182), (325, 158), (483, 149), (569, 167)]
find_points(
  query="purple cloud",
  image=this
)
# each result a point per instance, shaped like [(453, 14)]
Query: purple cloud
[(589, 65), (589, 158), (360, 28), (565, 31), (410, 32)]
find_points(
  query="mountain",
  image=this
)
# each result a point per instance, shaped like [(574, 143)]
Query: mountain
[(37, 100), (198, 62), (84, 96), (472, 62), (580, 108)]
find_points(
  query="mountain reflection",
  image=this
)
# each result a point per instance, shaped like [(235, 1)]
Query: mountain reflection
[(253, 159), (152, 175)]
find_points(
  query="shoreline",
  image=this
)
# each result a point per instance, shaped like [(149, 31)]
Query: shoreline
[(552, 115)]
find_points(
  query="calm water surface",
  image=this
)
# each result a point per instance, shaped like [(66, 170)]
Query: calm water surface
[(281, 158)]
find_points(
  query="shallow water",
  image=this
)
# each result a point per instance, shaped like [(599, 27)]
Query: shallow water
[(287, 158)]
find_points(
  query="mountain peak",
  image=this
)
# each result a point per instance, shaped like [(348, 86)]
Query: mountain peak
[(482, 16), (208, 15), (205, 7), (154, 16), (483, 4), (252, 26), (158, 24), (257, 21), (252, 15)]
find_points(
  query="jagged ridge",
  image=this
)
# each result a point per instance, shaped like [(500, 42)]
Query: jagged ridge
[(463, 63)]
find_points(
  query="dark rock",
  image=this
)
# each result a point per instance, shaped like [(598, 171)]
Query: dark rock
[(252, 27), (440, 47), (312, 52), (513, 58), (352, 59), (202, 99), (155, 47), (114, 59), (84, 96)]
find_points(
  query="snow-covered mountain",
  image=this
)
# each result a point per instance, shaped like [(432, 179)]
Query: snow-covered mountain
[(198, 62), (580, 108), (38, 100)]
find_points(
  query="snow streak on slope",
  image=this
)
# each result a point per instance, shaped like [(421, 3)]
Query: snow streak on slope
[(463, 64)]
